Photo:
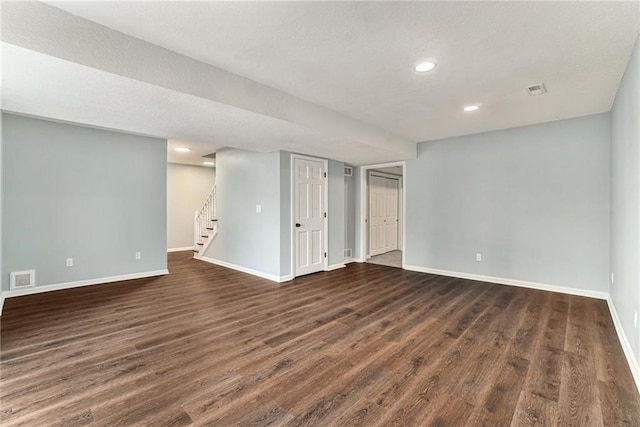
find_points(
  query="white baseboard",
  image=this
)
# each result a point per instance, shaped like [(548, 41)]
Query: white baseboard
[(79, 283), (1, 302), (626, 346), (511, 282), (335, 266), (272, 277), (185, 248)]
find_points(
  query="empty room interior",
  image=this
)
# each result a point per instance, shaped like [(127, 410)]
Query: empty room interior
[(225, 213)]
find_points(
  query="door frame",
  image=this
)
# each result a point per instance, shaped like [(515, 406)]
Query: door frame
[(325, 198), (364, 195), (400, 207)]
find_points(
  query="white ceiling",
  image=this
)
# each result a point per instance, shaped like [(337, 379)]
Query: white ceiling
[(340, 71), (68, 92)]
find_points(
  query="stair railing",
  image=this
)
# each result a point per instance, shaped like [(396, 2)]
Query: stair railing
[(205, 224)]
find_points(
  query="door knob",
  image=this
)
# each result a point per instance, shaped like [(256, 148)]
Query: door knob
[(297, 224)]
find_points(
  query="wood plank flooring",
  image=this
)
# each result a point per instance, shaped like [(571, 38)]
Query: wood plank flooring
[(366, 345)]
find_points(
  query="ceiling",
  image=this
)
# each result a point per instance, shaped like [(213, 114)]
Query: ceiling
[(325, 78)]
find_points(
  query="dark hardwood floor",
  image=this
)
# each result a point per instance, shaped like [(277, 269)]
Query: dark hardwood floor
[(365, 345)]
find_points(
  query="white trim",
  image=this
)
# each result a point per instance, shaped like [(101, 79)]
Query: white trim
[(624, 342), (364, 206), (1, 302), (184, 248), (326, 205), (511, 282), (80, 283), (272, 277), (335, 266)]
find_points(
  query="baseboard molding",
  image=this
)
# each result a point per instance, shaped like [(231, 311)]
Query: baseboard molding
[(511, 282), (272, 277), (624, 342), (335, 266), (185, 248), (77, 284), (1, 302)]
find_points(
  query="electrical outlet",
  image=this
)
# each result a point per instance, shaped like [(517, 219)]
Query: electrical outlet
[(478, 257), (258, 208), (635, 319), (612, 278), (69, 262), (138, 255)]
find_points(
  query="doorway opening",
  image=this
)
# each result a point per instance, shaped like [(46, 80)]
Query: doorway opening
[(383, 214)]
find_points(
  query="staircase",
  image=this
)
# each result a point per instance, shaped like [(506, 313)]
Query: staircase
[(205, 225)]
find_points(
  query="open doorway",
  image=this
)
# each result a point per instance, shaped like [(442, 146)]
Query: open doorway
[(383, 214)]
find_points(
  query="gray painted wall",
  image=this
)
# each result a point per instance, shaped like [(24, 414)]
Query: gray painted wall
[(336, 212), (285, 213), (245, 238), (358, 212), (350, 212), (625, 199), (75, 192), (533, 200), (187, 188)]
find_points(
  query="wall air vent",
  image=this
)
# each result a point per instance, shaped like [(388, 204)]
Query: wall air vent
[(22, 279), (348, 171), (538, 89), (347, 253)]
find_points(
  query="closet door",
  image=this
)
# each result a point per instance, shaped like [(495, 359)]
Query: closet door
[(392, 190), (377, 215)]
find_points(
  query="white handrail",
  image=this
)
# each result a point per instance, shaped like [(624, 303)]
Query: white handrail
[(204, 220)]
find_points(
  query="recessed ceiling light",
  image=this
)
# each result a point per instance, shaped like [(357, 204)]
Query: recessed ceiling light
[(471, 107), (425, 66), (183, 149), (208, 163)]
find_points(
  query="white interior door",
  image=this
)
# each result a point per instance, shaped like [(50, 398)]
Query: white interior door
[(308, 217), (392, 190), (377, 232)]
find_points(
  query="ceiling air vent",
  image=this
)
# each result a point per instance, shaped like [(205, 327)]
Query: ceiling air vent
[(22, 279), (538, 89), (348, 171)]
